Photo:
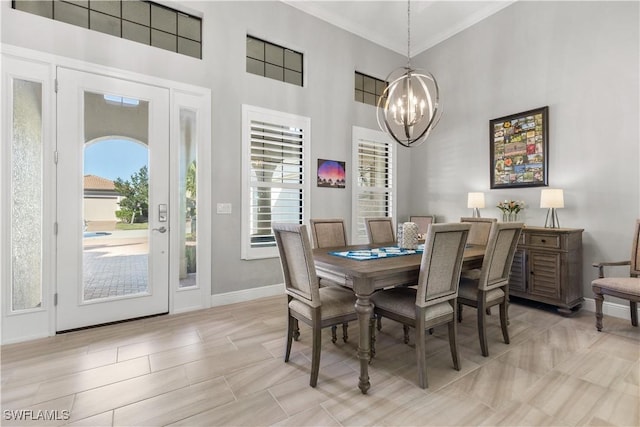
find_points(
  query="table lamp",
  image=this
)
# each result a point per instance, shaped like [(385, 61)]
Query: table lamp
[(552, 198), (475, 201)]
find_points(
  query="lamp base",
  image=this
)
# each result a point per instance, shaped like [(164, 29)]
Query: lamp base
[(476, 213), (551, 221)]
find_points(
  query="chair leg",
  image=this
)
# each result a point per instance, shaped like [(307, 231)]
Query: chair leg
[(482, 329), (345, 336), (421, 353), (459, 313), (634, 312), (291, 322), (488, 311), (599, 298), (453, 343), (334, 336), (405, 328), (504, 321), (296, 330), (379, 323), (315, 353)]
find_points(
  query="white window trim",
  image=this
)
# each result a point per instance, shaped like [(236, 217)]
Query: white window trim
[(250, 113), (364, 134)]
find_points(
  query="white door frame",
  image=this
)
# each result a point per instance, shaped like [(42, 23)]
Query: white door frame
[(73, 311), (42, 323)]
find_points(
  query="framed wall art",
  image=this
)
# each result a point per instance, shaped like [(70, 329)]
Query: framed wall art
[(331, 173), (519, 146)]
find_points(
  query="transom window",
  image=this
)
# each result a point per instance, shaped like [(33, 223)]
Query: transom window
[(273, 61), (368, 89), (137, 20)]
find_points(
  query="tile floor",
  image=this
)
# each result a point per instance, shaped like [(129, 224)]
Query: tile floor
[(223, 367)]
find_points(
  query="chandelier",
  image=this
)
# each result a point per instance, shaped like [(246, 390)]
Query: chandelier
[(408, 108)]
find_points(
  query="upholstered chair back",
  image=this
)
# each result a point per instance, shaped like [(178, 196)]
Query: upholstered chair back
[(480, 229), (498, 256), (328, 233), (635, 251), (380, 230), (298, 269), (441, 263)]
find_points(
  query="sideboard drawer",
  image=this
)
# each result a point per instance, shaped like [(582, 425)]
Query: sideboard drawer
[(544, 240)]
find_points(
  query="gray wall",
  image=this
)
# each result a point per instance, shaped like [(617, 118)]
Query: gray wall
[(582, 60), (331, 56)]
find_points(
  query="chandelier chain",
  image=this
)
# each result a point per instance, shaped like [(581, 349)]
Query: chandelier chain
[(408, 33)]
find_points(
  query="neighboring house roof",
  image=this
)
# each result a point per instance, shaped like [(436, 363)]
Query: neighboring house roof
[(92, 182), (97, 186)]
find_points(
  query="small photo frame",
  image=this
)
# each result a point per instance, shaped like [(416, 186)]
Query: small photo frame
[(519, 146), (331, 173)]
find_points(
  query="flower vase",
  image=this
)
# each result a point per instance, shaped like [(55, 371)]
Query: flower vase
[(505, 216)]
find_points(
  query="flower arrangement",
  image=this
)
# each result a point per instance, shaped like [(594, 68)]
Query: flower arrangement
[(510, 209), (510, 206)]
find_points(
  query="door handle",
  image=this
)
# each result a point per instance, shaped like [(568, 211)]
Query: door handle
[(162, 229)]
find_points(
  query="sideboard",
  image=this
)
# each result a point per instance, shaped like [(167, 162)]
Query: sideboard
[(547, 267)]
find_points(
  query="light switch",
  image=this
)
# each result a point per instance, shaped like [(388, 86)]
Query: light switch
[(223, 208)]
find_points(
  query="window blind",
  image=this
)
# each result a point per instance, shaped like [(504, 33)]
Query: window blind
[(276, 169)]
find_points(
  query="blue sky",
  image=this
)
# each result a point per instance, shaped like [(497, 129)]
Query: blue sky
[(114, 158)]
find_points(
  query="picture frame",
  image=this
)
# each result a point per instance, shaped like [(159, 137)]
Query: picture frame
[(331, 173), (519, 149)]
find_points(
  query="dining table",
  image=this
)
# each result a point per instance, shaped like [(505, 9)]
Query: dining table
[(365, 276)]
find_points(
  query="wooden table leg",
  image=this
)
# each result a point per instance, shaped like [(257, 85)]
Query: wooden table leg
[(364, 310)]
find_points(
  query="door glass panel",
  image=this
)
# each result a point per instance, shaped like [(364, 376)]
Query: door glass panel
[(188, 200), (115, 197), (26, 196)]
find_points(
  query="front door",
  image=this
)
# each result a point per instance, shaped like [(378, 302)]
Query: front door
[(112, 199)]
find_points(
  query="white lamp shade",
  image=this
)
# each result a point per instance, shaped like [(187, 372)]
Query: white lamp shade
[(552, 198), (475, 200)]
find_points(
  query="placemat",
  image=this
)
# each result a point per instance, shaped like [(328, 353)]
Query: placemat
[(377, 253)]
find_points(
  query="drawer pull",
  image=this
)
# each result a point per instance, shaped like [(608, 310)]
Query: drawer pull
[(543, 240)]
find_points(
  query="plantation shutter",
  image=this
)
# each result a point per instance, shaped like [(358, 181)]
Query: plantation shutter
[(276, 175), (375, 185)]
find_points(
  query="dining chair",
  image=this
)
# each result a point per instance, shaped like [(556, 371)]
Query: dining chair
[(433, 301), (480, 228), (479, 235), (422, 221), (621, 287), (307, 302), (492, 285), (380, 230), (330, 233)]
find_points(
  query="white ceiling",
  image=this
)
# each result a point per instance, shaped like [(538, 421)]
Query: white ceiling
[(385, 22)]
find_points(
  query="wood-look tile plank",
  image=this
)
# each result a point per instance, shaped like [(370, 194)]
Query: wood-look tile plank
[(496, 383), (56, 367), (264, 374), (521, 414), (133, 351), (104, 419), (95, 401), (189, 353), (175, 405), (565, 398), (259, 409), (224, 363), (596, 367), (295, 395), (618, 346), (91, 378), (618, 409), (536, 357), (312, 417)]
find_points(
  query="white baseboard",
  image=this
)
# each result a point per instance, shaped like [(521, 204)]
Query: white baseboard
[(247, 295), (612, 309)]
